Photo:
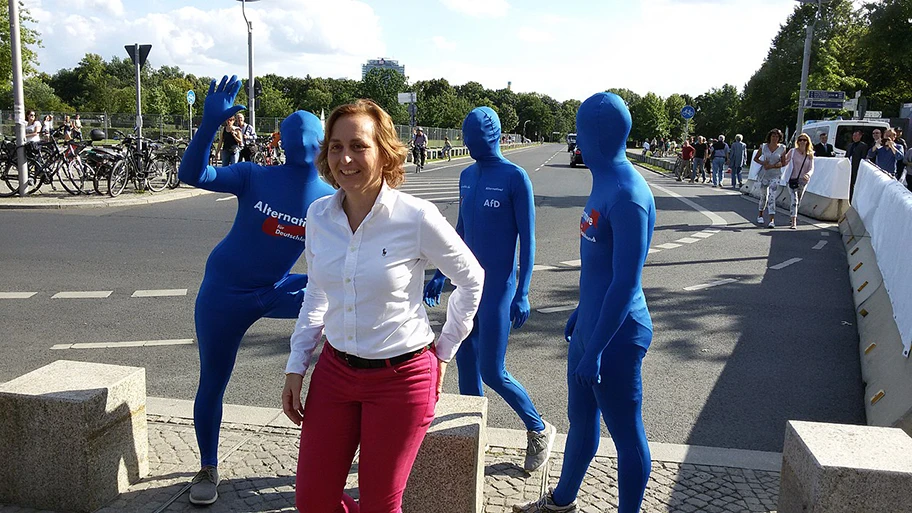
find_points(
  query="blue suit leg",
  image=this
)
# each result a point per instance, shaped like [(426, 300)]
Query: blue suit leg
[(222, 318), (284, 300), (467, 365), (494, 332)]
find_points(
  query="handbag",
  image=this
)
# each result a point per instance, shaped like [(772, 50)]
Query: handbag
[(794, 182)]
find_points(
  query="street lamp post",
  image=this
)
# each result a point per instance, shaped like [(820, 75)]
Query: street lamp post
[(526, 122), (806, 62), (251, 115)]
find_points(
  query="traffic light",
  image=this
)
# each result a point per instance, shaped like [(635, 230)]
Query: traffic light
[(257, 88)]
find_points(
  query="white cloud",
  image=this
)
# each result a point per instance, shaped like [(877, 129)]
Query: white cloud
[(478, 8), (443, 43), (534, 35)]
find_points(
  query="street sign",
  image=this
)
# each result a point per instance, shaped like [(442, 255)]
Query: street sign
[(143, 52), (688, 112), (823, 104), (873, 114), (850, 105), (408, 97), (826, 95), (191, 97)]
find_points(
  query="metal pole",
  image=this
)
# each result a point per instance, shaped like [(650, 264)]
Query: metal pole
[(139, 121), (802, 94), (18, 95), (251, 107), (190, 121)]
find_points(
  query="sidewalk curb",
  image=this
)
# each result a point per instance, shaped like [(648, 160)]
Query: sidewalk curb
[(497, 437), (151, 198)]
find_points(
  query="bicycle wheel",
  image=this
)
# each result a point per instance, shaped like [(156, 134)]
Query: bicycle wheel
[(70, 174), (173, 178), (100, 180), (158, 175), (117, 180), (11, 178)]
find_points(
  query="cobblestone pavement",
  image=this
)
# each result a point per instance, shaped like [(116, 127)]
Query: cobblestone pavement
[(259, 464)]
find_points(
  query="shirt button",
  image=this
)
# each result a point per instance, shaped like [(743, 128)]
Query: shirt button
[(351, 248), (349, 309), (348, 280), (349, 337)]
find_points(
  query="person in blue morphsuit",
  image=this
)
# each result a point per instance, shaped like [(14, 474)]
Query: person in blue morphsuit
[(611, 329), (247, 274), (496, 207)]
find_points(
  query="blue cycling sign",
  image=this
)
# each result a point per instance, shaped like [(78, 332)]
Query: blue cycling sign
[(688, 112), (191, 97)]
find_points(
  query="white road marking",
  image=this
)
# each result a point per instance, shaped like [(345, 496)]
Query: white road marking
[(820, 245), (227, 198), (668, 245), (712, 231), (710, 284), (824, 234), (436, 323), (714, 219), (85, 294), (16, 295), (704, 235), (572, 263), (826, 226), (160, 293), (537, 267), (114, 345), (654, 250), (447, 188), (440, 198), (785, 264), (555, 309), (688, 240)]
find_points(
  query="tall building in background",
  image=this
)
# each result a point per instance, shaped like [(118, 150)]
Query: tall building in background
[(381, 63)]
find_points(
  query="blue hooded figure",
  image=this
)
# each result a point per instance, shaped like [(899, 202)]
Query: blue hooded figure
[(496, 207), (611, 329), (247, 274)]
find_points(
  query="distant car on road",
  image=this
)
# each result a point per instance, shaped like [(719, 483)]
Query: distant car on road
[(571, 142), (576, 158)]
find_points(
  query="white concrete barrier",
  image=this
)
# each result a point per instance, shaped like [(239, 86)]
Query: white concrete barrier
[(827, 194)]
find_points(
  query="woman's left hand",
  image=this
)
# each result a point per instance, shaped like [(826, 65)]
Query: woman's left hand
[(441, 371)]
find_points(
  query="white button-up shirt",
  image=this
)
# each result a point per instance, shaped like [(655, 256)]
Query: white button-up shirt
[(365, 289)]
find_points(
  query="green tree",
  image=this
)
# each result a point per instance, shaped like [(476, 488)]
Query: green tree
[(531, 107), (29, 39), (717, 112), (40, 97), (508, 118), (649, 118), (383, 86), (886, 46), (677, 125)]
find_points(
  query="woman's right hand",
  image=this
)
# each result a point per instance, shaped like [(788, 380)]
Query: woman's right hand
[(291, 398)]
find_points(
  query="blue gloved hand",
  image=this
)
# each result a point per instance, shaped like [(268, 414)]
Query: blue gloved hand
[(219, 104), (519, 310), (433, 289), (571, 325), (588, 370)]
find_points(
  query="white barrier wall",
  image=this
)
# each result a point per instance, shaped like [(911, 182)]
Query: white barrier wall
[(831, 179), (885, 206)]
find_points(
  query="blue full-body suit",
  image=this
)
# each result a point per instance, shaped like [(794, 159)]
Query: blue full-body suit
[(247, 274), (496, 206), (611, 329)]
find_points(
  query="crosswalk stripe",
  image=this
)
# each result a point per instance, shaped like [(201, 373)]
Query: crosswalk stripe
[(785, 264), (654, 250), (688, 240), (160, 293), (572, 263), (16, 295), (668, 245), (703, 235), (113, 345), (84, 294), (440, 198), (411, 190)]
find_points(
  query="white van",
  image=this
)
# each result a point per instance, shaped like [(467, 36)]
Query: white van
[(839, 132)]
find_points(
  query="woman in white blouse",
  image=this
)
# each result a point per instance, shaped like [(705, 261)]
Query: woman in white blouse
[(378, 378)]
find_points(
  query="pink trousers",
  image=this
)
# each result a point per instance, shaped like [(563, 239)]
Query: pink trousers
[(388, 411)]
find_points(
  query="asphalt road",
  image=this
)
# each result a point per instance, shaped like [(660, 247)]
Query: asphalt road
[(728, 366)]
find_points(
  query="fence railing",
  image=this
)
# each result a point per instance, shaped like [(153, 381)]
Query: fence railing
[(182, 126)]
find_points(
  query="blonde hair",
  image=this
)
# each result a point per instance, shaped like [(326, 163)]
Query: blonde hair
[(809, 149), (392, 151)]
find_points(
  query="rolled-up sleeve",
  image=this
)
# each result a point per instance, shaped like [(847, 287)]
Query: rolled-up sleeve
[(443, 247), (308, 328)]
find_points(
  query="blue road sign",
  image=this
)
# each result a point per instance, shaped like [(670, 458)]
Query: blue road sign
[(191, 97), (824, 104), (688, 112), (826, 95)]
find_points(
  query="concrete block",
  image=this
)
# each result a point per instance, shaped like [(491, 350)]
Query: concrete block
[(835, 468), (73, 435), (448, 475), (819, 207), (864, 274), (852, 224)]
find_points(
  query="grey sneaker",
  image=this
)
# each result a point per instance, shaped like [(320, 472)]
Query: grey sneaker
[(538, 449), (544, 505), (205, 486)]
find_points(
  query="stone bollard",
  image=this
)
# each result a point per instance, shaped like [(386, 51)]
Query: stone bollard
[(836, 468), (448, 475), (73, 435)]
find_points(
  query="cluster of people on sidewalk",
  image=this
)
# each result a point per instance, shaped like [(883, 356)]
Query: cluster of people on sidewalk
[(715, 157), (377, 380), (44, 130), (888, 151), (236, 141)]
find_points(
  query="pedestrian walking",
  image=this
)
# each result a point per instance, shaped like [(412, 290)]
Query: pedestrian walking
[(720, 151), (737, 159), (447, 148), (802, 159), (700, 149), (856, 152), (772, 157), (378, 378), (229, 144), (248, 139), (687, 155)]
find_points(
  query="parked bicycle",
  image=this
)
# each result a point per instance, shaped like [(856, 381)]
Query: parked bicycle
[(138, 167)]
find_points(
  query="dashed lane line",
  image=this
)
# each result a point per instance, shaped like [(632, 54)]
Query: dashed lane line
[(160, 293), (688, 240), (555, 309), (84, 294), (538, 267), (668, 245), (710, 284), (16, 295), (785, 264), (227, 198), (825, 234), (115, 345), (572, 263), (654, 250), (703, 235), (820, 245)]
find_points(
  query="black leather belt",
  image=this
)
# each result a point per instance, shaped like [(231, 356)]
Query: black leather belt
[(356, 362)]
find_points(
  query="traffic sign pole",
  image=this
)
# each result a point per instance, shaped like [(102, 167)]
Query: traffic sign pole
[(191, 98)]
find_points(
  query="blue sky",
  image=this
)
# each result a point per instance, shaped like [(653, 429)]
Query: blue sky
[(567, 49)]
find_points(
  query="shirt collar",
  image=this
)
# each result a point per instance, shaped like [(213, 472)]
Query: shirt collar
[(385, 200)]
